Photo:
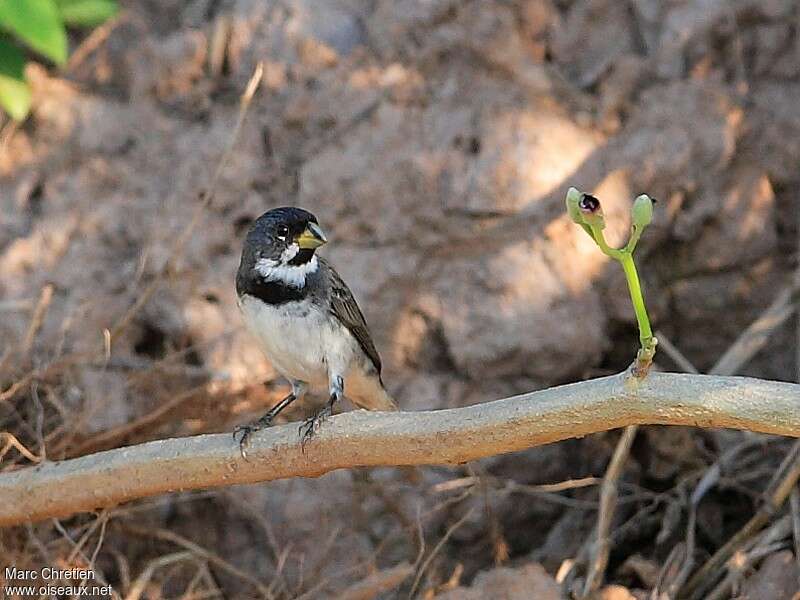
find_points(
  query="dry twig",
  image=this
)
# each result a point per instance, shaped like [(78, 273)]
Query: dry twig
[(12, 442), (205, 202), (765, 544), (706, 483), (140, 583), (608, 500), (37, 319), (674, 353), (785, 480), (377, 583), (203, 553), (758, 332), (93, 41), (421, 569), (110, 437), (794, 503)]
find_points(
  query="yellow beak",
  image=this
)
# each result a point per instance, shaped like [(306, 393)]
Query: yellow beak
[(312, 237)]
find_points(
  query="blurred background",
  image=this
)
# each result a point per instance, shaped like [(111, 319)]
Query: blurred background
[(434, 140)]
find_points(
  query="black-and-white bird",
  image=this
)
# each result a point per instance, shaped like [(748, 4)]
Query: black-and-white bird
[(306, 319)]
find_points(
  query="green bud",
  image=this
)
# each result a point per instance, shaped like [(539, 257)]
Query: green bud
[(591, 211), (574, 211), (642, 211)]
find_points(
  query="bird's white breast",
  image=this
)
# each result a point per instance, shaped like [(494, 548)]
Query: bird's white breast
[(290, 335), (300, 341)]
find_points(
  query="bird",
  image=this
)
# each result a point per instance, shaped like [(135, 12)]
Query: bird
[(306, 320)]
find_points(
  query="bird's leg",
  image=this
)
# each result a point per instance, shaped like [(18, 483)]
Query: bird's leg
[(311, 425), (298, 390)]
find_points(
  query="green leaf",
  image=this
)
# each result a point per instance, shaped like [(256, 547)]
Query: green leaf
[(87, 13), (38, 24), (15, 95)]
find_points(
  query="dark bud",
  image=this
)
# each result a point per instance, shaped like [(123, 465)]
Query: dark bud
[(591, 211), (589, 203)]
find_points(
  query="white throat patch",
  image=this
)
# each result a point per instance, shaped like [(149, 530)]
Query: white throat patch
[(290, 252), (292, 275)]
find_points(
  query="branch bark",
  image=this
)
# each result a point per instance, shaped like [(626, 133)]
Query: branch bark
[(357, 439)]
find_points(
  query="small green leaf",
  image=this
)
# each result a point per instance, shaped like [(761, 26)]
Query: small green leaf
[(38, 24), (87, 13), (15, 95)]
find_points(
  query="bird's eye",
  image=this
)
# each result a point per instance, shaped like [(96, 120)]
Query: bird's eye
[(283, 232)]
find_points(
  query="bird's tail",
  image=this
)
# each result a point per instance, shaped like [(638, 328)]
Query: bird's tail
[(371, 394), (384, 400)]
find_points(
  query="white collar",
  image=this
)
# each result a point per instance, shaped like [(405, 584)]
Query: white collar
[(292, 275)]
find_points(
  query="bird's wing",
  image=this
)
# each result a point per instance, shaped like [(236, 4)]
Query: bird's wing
[(345, 308)]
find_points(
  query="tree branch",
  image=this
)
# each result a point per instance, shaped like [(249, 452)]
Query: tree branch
[(357, 439)]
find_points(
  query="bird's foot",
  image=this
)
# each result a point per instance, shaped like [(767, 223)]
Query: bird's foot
[(244, 432), (311, 425)]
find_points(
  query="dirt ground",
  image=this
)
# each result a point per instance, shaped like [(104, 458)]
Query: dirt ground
[(434, 140)]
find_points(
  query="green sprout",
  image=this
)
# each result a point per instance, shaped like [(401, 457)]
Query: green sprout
[(585, 210)]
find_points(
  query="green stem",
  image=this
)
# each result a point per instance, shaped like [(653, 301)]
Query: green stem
[(635, 235), (593, 225), (645, 333), (625, 257), (607, 250)]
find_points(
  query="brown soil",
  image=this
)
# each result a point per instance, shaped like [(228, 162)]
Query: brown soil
[(435, 141)]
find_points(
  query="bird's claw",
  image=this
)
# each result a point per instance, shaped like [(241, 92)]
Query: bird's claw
[(311, 426), (247, 431)]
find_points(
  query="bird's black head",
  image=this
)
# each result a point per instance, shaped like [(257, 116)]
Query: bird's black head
[(286, 236)]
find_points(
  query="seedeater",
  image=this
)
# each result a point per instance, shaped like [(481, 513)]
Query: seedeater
[(306, 319)]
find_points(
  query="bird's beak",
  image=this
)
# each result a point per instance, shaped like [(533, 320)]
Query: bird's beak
[(312, 237)]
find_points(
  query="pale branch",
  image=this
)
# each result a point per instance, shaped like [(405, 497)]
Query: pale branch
[(360, 439)]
